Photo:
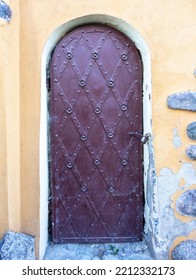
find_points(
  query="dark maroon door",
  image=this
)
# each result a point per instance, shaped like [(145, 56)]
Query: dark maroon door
[(96, 166)]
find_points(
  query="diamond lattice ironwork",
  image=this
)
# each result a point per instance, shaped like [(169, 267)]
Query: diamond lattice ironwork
[(96, 98)]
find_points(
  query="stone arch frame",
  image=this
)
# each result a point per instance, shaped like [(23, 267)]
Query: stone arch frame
[(149, 172)]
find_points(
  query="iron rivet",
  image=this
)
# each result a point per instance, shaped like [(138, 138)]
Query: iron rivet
[(110, 135), (69, 165), (84, 188), (82, 83), (111, 83), (83, 137), (124, 57), (69, 55), (97, 162), (95, 55), (124, 107), (69, 110), (124, 162), (55, 80), (97, 110), (111, 189)]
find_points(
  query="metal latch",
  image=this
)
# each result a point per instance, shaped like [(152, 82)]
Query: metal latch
[(144, 137)]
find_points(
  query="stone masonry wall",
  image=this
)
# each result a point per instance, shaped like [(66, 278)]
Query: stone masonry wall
[(184, 191)]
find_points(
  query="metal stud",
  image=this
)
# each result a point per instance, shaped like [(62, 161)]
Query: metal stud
[(124, 56), (95, 55), (110, 135), (97, 162), (82, 83), (97, 110), (111, 83), (124, 107), (111, 189), (124, 162), (69, 55), (69, 110), (84, 188), (69, 165), (83, 137)]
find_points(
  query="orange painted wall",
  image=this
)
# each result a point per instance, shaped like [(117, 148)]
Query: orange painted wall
[(168, 27)]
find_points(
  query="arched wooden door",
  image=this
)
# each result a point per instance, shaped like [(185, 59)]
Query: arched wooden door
[(96, 166)]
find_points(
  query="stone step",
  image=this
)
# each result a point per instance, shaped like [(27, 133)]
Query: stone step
[(108, 251)]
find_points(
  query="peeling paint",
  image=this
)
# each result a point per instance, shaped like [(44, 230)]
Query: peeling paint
[(152, 209), (169, 183), (182, 182), (176, 139)]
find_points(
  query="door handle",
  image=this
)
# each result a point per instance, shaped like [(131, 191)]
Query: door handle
[(144, 137)]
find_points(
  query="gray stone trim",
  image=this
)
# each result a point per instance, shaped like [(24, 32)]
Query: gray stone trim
[(186, 203), (191, 152), (191, 130), (185, 250), (17, 246), (182, 101), (5, 11)]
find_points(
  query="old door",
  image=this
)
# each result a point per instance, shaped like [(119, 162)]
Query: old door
[(96, 165)]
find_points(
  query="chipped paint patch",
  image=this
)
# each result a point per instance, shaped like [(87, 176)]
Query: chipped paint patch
[(182, 182), (176, 139), (168, 183)]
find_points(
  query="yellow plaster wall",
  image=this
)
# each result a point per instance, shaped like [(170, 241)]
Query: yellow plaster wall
[(3, 159), (10, 123), (168, 27)]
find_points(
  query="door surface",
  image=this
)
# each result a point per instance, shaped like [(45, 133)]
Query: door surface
[(96, 165)]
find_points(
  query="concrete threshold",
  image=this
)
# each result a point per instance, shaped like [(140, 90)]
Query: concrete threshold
[(100, 251)]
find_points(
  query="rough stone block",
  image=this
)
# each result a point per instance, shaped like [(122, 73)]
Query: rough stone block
[(185, 250), (191, 130), (186, 203), (1, 244), (191, 152), (5, 11), (17, 246), (182, 101)]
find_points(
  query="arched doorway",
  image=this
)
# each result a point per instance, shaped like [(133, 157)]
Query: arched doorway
[(96, 123), (52, 41)]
